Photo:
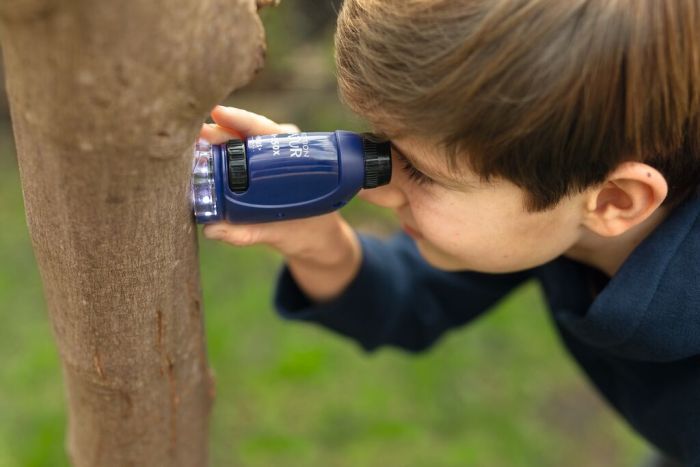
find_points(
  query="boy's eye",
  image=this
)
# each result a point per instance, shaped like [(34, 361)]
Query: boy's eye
[(413, 173)]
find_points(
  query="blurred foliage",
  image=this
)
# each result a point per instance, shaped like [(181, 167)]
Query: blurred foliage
[(502, 393)]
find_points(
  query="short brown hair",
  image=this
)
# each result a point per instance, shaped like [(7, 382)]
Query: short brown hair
[(549, 94)]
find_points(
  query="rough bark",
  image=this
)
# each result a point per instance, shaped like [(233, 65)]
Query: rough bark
[(106, 99)]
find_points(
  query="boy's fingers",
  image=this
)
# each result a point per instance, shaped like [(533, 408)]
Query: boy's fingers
[(216, 134), (289, 128), (244, 122)]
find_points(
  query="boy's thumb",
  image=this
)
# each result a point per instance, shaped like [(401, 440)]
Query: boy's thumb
[(237, 235)]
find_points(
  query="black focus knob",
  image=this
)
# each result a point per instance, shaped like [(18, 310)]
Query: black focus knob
[(237, 165), (377, 162)]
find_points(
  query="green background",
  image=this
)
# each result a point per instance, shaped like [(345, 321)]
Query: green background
[(501, 392)]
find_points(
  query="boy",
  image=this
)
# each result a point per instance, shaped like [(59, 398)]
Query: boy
[(547, 139)]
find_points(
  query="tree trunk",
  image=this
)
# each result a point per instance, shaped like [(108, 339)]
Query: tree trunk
[(106, 100)]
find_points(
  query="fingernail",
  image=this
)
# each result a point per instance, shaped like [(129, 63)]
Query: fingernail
[(232, 110)]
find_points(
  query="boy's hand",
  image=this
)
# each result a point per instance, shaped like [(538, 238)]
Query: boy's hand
[(323, 252)]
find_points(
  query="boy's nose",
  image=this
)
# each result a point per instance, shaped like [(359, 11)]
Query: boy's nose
[(387, 196)]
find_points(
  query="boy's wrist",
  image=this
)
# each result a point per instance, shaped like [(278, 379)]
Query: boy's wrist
[(327, 274), (333, 249)]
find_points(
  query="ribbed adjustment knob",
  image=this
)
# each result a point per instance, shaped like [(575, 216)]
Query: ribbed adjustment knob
[(377, 162), (237, 165)]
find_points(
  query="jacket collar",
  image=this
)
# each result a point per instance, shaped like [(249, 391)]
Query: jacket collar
[(650, 309)]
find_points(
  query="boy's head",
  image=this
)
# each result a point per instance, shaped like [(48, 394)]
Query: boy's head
[(564, 101)]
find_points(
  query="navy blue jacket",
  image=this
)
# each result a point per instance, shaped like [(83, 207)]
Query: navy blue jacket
[(637, 335)]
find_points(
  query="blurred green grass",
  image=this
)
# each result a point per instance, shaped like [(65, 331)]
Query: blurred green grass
[(501, 392)]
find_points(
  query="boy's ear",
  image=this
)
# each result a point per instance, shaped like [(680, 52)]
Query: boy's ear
[(630, 194)]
